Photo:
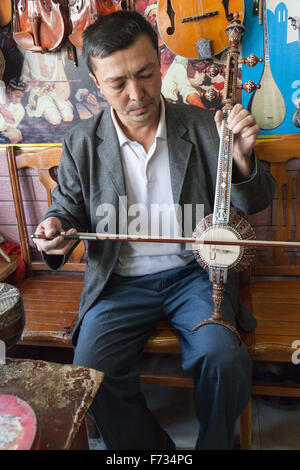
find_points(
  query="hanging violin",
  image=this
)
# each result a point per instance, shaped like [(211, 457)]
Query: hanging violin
[(40, 25), (83, 13)]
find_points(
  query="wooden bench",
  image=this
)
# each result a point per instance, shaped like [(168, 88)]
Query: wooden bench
[(51, 299)]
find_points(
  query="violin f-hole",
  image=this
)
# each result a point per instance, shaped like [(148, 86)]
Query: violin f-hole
[(23, 6), (79, 6), (171, 15)]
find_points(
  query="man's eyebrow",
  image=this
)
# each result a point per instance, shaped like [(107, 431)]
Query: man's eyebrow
[(138, 72)]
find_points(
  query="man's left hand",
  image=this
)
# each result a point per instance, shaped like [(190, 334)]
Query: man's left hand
[(245, 130)]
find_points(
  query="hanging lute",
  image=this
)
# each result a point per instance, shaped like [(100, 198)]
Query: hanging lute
[(267, 104)]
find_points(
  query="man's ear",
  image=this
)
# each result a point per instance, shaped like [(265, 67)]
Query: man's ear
[(92, 76)]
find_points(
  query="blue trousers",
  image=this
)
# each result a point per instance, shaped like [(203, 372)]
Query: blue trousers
[(112, 337)]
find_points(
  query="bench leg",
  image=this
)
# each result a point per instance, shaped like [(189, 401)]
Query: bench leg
[(246, 427)]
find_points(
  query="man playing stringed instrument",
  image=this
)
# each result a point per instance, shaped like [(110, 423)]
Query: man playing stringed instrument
[(142, 151)]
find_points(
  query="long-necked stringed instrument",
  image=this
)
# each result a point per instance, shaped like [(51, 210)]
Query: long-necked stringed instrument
[(196, 28), (267, 104)]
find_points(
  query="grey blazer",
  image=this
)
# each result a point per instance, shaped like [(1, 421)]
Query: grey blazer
[(91, 174)]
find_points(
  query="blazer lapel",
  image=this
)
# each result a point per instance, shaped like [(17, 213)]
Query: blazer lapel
[(109, 152), (179, 150)]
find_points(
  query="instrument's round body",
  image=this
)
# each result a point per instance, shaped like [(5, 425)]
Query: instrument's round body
[(85, 13), (233, 257), (182, 36), (18, 425), (41, 26), (12, 317)]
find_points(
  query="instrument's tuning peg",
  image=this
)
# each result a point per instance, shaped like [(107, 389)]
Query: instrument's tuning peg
[(212, 70), (211, 94), (251, 60), (249, 86)]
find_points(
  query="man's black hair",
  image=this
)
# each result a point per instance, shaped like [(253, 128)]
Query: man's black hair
[(114, 32)]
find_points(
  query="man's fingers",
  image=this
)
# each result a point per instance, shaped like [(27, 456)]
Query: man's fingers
[(52, 243)]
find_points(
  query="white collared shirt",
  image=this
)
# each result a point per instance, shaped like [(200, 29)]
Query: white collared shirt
[(150, 206)]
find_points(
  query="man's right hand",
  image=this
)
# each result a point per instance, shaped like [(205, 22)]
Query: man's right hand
[(52, 244)]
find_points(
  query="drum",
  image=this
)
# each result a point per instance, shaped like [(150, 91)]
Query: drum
[(12, 317), (18, 425)]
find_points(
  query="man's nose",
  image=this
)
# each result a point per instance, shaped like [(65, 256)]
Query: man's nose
[(136, 91)]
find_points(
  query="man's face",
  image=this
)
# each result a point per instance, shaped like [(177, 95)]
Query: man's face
[(130, 81)]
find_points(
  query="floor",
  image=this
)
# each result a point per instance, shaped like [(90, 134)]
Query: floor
[(273, 427), (275, 421)]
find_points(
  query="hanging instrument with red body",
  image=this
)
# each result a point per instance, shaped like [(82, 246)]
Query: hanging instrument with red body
[(83, 13), (41, 25)]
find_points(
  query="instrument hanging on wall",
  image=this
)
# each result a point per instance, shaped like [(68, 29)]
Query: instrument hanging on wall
[(5, 12), (196, 28), (267, 104), (41, 25), (83, 13)]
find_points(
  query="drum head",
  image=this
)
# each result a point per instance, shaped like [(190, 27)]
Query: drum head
[(219, 255)]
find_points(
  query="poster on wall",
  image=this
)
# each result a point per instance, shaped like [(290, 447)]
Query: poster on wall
[(44, 95)]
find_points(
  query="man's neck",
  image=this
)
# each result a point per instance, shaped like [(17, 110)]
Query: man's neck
[(142, 132)]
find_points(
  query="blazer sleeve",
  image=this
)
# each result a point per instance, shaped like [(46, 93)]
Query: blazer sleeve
[(256, 193)]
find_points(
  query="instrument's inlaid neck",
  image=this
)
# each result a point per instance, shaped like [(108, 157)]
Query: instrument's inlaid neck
[(224, 172)]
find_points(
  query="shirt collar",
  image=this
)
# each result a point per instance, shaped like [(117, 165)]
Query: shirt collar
[(161, 129)]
